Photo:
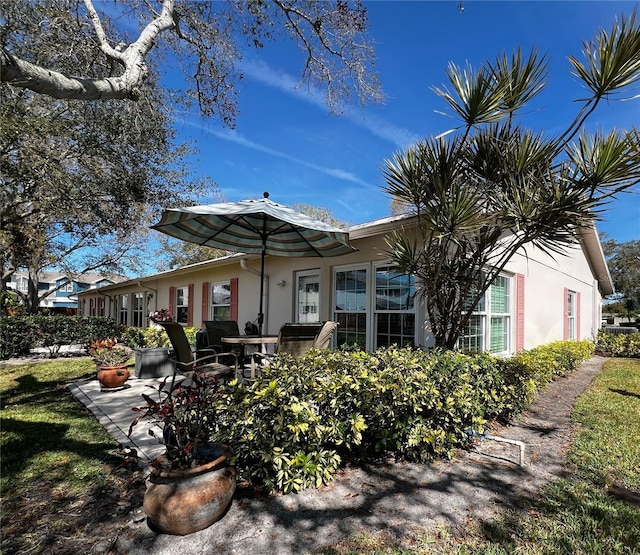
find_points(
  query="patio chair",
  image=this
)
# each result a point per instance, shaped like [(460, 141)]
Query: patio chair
[(323, 339), (215, 331), (207, 360), (296, 339)]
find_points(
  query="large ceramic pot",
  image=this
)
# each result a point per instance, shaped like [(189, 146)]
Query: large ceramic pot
[(111, 377), (184, 501)]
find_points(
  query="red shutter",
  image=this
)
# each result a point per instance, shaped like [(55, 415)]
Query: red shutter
[(172, 301), (233, 287), (578, 315), (565, 315), (205, 301), (191, 289), (519, 312)]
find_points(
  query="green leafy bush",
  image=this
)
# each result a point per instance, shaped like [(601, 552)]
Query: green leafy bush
[(20, 334), (619, 345), (152, 337), (292, 427)]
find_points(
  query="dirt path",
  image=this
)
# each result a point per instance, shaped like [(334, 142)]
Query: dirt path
[(396, 498)]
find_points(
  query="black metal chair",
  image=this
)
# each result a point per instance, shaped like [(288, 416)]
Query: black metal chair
[(207, 360)]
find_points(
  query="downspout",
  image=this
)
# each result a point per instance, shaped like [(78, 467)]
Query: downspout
[(265, 296)]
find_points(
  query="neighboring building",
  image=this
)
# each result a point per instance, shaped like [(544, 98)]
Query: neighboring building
[(63, 298), (536, 300)]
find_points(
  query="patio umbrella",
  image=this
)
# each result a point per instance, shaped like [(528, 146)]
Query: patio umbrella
[(255, 226)]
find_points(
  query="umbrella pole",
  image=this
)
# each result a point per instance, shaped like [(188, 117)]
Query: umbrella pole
[(264, 251), (261, 313)]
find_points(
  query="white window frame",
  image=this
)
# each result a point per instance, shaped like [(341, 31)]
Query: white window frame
[(182, 302), (311, 317), (572, 303), (22, 284), (482, 321), (138, 309), (123, 309), (213, 305), (344, 334), (376, 312)]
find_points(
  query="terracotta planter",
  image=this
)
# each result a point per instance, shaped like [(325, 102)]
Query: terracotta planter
[(111, 377), (181, 502)]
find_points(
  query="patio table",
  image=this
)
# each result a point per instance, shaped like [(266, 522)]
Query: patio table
[(244, 340)]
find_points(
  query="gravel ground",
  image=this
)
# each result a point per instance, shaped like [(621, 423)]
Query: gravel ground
[(399, 499)]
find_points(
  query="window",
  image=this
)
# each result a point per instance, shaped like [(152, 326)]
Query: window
[(101, 306), (67, 287), (351, 306), (138, 309), (220, 308), (308, 296), (22, 284), (489, 328), (394, 311), (123, 309), (571, 311), (182, 305)]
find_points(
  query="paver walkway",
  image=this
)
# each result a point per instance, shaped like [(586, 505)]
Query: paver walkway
[(396, 498)]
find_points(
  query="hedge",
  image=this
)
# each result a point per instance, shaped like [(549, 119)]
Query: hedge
[(295, 425), (619, 345), (20, 334)]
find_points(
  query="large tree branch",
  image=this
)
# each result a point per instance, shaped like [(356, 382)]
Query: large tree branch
[(21, 73)]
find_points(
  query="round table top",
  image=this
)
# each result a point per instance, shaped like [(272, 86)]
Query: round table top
[(250, 339)]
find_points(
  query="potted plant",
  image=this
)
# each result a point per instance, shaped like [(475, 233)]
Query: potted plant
[(112, 361), (162, 315), (190, 486)]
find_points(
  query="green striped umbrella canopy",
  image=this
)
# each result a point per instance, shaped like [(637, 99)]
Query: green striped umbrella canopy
[(255, 226)]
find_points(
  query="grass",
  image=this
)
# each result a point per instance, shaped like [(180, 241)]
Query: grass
[(571, 516), (59, 468), (60, 476)]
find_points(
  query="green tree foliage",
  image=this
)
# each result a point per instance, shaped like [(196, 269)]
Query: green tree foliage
[(492, 187), (623, 260), (207, 37)]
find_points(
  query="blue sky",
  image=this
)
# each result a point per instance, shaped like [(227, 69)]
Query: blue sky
[(286, 141)]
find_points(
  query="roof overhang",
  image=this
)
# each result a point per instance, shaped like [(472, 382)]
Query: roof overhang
[(592, 249)]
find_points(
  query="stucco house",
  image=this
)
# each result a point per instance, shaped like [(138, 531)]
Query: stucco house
[(536, 300)]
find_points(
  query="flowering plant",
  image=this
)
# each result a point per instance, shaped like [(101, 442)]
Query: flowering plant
[(107, 352), (185, 412), (162, 315)]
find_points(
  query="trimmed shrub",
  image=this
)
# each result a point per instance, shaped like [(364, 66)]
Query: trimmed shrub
[(619, 345), (20, 334), (293, 426)]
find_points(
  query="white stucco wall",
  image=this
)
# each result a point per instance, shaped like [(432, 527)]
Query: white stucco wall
[(545, 281)]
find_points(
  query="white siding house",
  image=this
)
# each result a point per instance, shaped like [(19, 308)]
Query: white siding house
[(538, 299)]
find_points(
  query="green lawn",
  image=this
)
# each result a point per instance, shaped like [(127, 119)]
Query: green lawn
[(59, 468), (60, 475), (571, 516)]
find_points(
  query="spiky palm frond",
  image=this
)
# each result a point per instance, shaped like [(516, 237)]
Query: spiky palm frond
[(612, 60), (605, 164), (477, 97), (520, 80)]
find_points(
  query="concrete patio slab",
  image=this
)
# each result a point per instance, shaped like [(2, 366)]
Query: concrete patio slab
[(114, 410)]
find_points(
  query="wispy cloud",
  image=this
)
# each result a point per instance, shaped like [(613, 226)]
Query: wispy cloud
[(263, 73), (234, 137)]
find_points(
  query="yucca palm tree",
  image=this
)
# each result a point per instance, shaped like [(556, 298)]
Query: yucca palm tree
[(492, 187)]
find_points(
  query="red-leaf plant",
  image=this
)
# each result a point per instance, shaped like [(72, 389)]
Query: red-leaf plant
[(185, 412)]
